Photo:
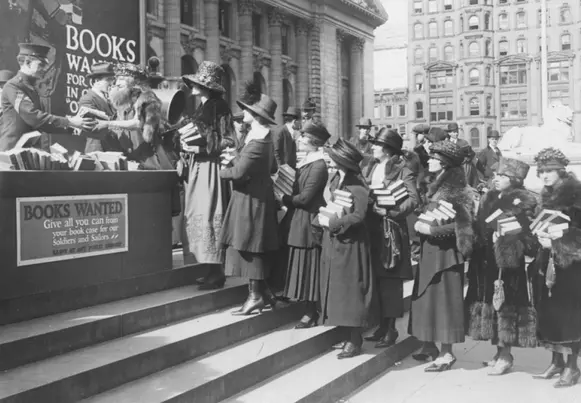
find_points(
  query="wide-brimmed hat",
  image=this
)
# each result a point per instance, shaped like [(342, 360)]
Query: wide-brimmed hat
[(551, 159), (209, 75), (130, 70), (5, 76), (316, 131), (100, 70), (34, 50), (493, 134), (292, 111), (264, 108), (447, 152), (453, 127), (422, 128), (388, 138), (364, 123), (346, 155), (436, 134), (513, 168)]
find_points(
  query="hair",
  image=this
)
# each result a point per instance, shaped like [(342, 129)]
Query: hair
[(562, 172), (390, 151), (289, 119), (516, 183)]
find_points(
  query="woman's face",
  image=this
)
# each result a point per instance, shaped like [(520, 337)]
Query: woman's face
[(434, 165), (378, 151), (501, 182), (304, 144), (248, 118), (549, 177)]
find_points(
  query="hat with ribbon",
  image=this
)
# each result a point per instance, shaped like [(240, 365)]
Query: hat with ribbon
[(100, 70), (34, 50), (493, 134), (436, 134), (551, 159), (130, 70), (364, 123), (422, 128), (447, 152), (513, 168), (388, 138), (264, 108), (452, 127), (209, 76), (5, 76), (316, 132), (345, 155), (292, 111)]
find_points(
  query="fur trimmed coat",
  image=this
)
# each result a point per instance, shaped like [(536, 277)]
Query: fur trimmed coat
[(515, 323)]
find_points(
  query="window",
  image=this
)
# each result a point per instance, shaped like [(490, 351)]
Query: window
[(486, 21), (402, 130), (513, 74), (487, 76), (461, 77), (521, 45), (448, 28), (513, 106), (447, 5), (224, 18), (473, 23), (474, 49), (284, 39), (433, 29), (418, 31), (418, 7), (257, 29), (432, 6), (151, 7), (419, 110), (473, 2), (461, 50), (503, 48), (489, 106), (502, 1), (461, 24), (433, 54), (560, 96), (475, 137), (474, 76), (489, 130), (540, 17), (521, 21), (541, 44), (418, 56), (488, 48), (558, 71), (388, 111), (419, 80), (376, 113), (566, 42), (442, 79), (441, 108), (503, 21), (565, 15), (187, 12), (448, 53), (474, 106), (402, 110)]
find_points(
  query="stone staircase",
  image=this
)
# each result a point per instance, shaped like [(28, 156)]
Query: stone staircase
[(182, 345)]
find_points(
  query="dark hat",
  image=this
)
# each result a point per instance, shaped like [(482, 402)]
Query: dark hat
[(309, 105), (493, 134), (513, 168), (292, 111), (466, 148), (388, 138), (364, 122), (34, 50), (436, 134), (238, 117), (346, 155), (100, 70), (5, 76), (447, 152), (130, 70), (551, 158), (209, 75), (264, 108), (452, 127), (316, 131), (422, 128)]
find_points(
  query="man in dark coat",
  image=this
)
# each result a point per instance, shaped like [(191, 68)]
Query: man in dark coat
[(22, 110), (5, 76), (361, 141), (285, 149), (490, 155), (421, 131)]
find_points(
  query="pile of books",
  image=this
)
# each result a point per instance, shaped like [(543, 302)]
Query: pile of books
[(442, 213), (284, 180), (32, 159), (342, 203), (392, 195), (503, 224), (551, 221), (107, 161), (190, 136)]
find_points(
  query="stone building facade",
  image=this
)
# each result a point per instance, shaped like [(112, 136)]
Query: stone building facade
[(477, 62), (391, 110), (293, 49)]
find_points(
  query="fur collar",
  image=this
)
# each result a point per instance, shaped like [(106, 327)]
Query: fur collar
[(513, 200), (565, 196), (449, 181)]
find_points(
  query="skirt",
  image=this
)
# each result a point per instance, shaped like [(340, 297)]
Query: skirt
[(391, 297), (254, 266), (303, 274)]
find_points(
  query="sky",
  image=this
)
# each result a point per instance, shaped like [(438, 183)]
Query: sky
[(390, 64)]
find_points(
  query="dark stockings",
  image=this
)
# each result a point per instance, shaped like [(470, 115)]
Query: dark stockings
[(572, 359)]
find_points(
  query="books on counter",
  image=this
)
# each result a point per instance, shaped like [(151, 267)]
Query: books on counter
[(284, 180), (550, 221), (391, 195), (441, 214), (27, 140), (109, 161), (342, 204)]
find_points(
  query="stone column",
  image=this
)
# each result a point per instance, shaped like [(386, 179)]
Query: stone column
[(172, 40), (315, 32), (368, 79), (212, 30), (245, 8), (356, 79), (575, 96), (342, 132), (302, 31), (276, 74), (497, 96)]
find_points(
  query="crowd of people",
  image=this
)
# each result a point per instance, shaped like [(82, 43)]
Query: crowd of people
[(349, 269)]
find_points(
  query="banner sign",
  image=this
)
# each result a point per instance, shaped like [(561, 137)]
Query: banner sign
[(79, 32), (50, 229)]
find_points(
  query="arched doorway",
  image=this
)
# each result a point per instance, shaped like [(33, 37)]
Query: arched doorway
[(260, 82), (287, 95), (189, 65), (228, 81)]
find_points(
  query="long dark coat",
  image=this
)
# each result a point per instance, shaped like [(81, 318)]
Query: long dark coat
[(515, 323), (487, 158), (347, 297), (102, 140), (285, 148)]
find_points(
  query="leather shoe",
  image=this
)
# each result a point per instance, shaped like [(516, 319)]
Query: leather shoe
[(502, 366), (350, 350), (426, 355), (307, 322), (213, 284), (388, 340), (377, 335), (550, 372), (492, 362), (568, 378), (339, 346), (440, 366)]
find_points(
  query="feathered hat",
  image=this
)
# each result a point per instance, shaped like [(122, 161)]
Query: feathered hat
[(551, 158), (209, 75), (447, 152), (256, 102)]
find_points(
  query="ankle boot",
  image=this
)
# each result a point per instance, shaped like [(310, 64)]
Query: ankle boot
[(380, 332), (254, 300), (268, 295), (556, 368)]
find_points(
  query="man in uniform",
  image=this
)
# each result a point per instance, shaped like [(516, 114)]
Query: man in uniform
[(490, 155), (22, 110)]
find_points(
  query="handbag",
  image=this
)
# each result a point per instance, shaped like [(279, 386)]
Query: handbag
[(498, 297), (391, 245)]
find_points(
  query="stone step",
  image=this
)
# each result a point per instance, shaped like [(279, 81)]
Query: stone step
[(37, 339), (220, 375), (86, 372)]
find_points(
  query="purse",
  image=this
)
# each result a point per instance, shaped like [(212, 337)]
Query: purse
[(498, 297), (391, 245)]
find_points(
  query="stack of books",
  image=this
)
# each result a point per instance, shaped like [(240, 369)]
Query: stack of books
[(109, 161), (441, 214), (343, 203), (500, 222), (191, 136), (392, 195), (550, 221), (284, 180), (32, 159)]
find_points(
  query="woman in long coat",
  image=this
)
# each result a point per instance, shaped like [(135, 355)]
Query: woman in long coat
[(503, 257), (437, 311), (303, 268), (346, 272), (388, 230), (205, 195), (250, 226), (559, 260)]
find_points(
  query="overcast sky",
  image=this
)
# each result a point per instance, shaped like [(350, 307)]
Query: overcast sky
[(391, 64)]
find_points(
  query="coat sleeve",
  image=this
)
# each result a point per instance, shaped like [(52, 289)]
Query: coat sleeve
[(567, 249), (32, 116), (341, 225), (314, 185), (406, 207), (482, 160), (249, 160), (277, 140)]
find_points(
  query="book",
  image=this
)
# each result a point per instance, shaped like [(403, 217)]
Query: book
[(84, 164), (343, 193), (396, 185), (508, 226), (426, 219), (377, 187), (550, 218), (28, 140), (492, 220), (86, 112)]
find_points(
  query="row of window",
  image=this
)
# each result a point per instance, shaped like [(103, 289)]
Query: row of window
[(435, 6), (391, 110)]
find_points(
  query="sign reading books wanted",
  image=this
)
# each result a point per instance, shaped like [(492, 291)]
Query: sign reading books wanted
[(56, 228)]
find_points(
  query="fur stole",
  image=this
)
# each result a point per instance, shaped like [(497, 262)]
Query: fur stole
[(148, 108), (566, 197), (451, 186)]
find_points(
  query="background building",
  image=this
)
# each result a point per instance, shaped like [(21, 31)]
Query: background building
[(477, 62), (293, 49), (391, 109)]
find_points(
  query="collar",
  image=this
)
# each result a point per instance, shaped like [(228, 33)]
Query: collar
[(289, 127), (257, 132), (311, 157)]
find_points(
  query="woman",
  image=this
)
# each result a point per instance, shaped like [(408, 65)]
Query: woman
[(437, 313), (205, 195), (559, 306), (303, 270), (346, 273), (250, 232), (388, 230), (503, 257)]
